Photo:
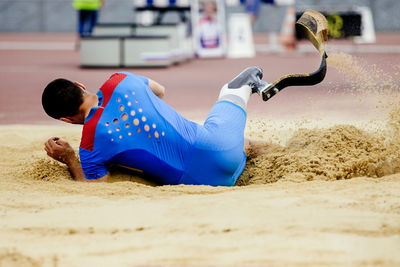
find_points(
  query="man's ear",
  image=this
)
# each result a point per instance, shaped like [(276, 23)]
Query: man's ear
[(66, 119), (80, 85)]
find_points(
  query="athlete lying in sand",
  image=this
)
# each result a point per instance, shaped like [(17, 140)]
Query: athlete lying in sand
[(127, 123)]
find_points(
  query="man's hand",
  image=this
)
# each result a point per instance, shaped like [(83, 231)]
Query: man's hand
[(60, 150), (157, 88), (63, 152)]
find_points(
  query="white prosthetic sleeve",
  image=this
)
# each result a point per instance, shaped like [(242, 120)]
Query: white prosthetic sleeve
[(239, 96)]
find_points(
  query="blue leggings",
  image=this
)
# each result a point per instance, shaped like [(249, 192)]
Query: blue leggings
[(87, 19), (218, 157)]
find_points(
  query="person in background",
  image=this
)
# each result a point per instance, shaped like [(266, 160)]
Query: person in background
[(253, 6), (209, 29), (87, 15)]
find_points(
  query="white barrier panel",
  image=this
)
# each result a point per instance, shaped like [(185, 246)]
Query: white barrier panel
[(128, 51), (367, 26), (240, 36), (146, 52), (181, 44), (113, 29), (100, 52), (176, 32)]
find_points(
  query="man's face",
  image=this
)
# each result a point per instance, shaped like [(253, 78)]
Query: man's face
[(209, 9)]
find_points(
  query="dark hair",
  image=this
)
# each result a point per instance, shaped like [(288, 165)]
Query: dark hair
[(62, 98)]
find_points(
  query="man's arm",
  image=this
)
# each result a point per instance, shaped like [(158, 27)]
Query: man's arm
[(157, 88), (63, 152)]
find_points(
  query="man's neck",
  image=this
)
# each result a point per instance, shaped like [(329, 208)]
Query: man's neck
[(90, 101)]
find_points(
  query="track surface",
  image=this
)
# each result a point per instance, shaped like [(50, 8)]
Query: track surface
[(192, 87)]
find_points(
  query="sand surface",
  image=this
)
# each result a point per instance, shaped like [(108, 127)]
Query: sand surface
[(325, 191), (49, 220)]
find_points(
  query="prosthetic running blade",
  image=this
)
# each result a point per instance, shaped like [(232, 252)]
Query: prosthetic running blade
[(313, 26)]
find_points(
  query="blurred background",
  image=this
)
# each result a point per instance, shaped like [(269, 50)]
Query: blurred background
[(59, 16), (39, 41)]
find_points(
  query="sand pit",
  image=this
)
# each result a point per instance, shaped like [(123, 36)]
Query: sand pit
[(49, 220), (325, 192)]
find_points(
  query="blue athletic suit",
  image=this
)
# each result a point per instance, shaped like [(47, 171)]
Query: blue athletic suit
[(134, 128)]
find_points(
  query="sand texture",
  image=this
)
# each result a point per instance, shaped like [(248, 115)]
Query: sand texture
[(317, 190), (292, 211)]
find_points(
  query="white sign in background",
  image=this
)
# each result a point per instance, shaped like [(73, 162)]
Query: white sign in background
[(204, 32)]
